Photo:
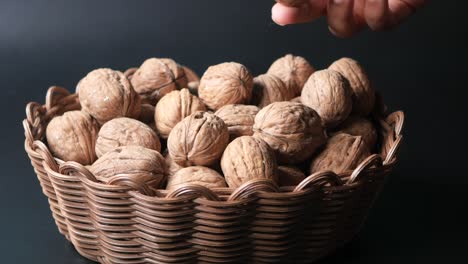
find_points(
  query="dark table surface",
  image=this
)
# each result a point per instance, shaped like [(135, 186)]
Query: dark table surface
[(420, 68)]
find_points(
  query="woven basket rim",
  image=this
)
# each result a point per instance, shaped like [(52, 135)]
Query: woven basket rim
[(59, 100)]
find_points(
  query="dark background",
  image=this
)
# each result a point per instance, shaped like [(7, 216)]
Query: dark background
[(419, 68)]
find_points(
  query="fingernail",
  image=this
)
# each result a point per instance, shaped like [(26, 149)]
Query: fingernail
[(276, 22)]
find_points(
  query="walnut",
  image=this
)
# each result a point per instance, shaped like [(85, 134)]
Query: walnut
[(147, 114), (268, 89), (247, 158), (192, 76), (293, 3), (193, 80), (193, 87), (225, 83), (357, 126), (196, 175), (328, 93), (363, 92), (289, 176), (296, 100), (129, 72), (174, 107), (293, 71), (172, 167), (106, 94), (293, 130), (157, 77), (125, 132), (198, 139), (71, 137), (130, 165), (238, 118), (342, 152)]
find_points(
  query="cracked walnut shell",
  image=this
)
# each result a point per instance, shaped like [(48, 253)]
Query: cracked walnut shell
[(328, 93), (125, 132), (225, 83), (247, 158), (157, 77), (238, 118), (342, 152), (196, 175), (174, 107), (198, 139), (363, 92), (293, 130), (269, 89), (71, 137), (133, 166), (293, 71), (106, 94)]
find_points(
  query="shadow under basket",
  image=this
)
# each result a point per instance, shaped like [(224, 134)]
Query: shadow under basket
[(257, 222)]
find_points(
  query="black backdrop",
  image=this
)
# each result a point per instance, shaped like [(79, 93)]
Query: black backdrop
[(419, 68)]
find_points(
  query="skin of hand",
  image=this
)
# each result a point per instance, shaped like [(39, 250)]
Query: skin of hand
[(346, 17)]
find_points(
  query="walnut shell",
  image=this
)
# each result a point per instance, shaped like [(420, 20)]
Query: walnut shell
[(192, 76), (289, 175), (293, 130), (296, 100), (130, 165), (106, 94), (268, 89), (196, 175), (172, 167), (342, 152), (357, 126), (293, 71), (328, 93), (238, 118), (193, 87), (247, 158), (157, 77), (363, 92), (225, 83), (125, 132), (147, 114), (174, 107), (129, 72), (198, 139), (71, 137)]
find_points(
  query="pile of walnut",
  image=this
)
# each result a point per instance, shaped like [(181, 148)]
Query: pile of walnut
[(160, 126)]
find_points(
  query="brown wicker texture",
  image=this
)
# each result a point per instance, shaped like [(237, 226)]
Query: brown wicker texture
[(258, 222)]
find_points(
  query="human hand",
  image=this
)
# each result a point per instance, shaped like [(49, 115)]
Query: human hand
[(346, 17)]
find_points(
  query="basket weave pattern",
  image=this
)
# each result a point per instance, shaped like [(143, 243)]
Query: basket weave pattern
[(257, 222)]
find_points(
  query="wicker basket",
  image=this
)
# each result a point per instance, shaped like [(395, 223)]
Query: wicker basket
[(258, 222)]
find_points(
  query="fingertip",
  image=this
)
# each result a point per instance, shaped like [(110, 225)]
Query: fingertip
[(341, 34), (340, 18), (399, 10), (376, 14), (285, 15), (279, 14)]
